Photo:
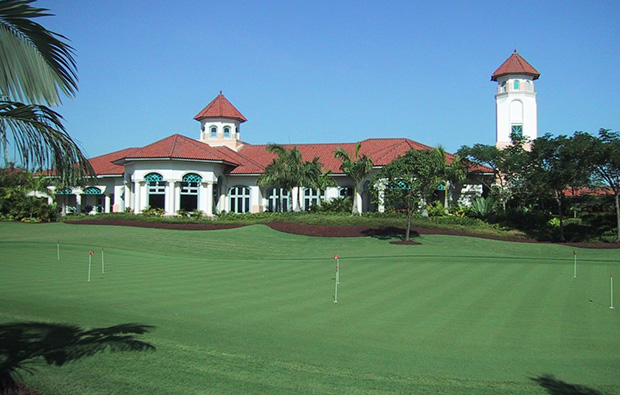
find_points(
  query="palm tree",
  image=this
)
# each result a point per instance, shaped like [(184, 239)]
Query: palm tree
[(453, 172), (289, 171), (356, 168), (36, 69)]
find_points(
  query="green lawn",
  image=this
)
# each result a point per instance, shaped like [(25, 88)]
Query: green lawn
[(251, 310)]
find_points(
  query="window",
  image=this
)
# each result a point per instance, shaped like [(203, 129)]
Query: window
[(517, 130), (278, 200), (503, 87), (344, 192), (239, 199), (528, 86), (312, 197), (226, 132), (190, 185), (516, 85), (213, 132), (156, 189)]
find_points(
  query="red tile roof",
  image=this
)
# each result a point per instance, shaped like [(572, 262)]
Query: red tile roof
[(252, 159), (181, 147), (515, 64), (220, 107), (104, 165), (380, 151)]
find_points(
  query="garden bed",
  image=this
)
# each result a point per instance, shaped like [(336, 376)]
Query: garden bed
[(382, 232)]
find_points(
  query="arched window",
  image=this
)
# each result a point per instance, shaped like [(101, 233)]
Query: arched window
[(528, 86), (91, 191), (190, 185), (312, 197), (156, 189), (226, 132), (239, 199), (344, 192), (516, 85), (213, 132), (278, 200), (503, 87)]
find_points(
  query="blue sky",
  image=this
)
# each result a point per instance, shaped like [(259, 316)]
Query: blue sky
[(332, 71)]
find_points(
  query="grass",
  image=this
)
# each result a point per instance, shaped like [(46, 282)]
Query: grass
[(250, 310), (453, 223)]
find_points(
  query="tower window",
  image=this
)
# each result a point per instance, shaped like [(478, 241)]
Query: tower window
[(516, 86), (503, 87), (517, 131), (213, 131), (226, 132)]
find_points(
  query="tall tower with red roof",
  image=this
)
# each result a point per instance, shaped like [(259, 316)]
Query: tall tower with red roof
[(515, 101), (220, 124)]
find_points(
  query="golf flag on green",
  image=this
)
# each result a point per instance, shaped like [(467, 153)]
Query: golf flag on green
[(611, 290)]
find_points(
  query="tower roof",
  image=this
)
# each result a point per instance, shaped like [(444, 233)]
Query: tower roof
[(515, 64), (220, 107)]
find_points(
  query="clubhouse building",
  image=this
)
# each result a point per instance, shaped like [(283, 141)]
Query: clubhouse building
[(217, 172)]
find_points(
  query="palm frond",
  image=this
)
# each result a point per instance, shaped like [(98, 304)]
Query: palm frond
[(41, 141), (36, 65)]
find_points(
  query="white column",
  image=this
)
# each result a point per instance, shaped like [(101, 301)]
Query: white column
[(205, 196), (106, 208), (137, 196), (78, 202)]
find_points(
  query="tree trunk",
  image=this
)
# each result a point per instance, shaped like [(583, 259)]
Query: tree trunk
[(354, 209), (558, 198), (408, 230), (618, 214)]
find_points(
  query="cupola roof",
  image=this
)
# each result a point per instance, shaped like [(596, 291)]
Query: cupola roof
[(515, 64), (220, 107)]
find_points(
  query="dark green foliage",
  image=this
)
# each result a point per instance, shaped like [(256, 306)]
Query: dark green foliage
[(337, 205), (24, 344), (16, 205)]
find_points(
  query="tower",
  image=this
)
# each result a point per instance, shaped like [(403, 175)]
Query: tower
[(220, 124), (515, 101)]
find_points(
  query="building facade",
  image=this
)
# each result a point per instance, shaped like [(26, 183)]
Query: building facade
[(218, 172)]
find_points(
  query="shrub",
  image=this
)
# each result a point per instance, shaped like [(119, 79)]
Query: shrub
[(483, 207), (436, 209), (153, 212), (334, 205)]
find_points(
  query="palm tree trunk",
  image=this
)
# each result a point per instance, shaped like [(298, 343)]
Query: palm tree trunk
[(354, 209), (618, 214)]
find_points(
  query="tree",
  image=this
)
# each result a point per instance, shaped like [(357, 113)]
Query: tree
[(25, 344), (36, 69), (452, 173), (289, 171), (557, 164), (356, 168), (604, 159), (508, 167), (409, 181)]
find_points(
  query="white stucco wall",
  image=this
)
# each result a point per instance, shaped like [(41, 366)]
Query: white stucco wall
[(515, 107)]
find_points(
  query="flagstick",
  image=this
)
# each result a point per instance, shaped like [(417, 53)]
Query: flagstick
[(58, 250), (102, 262), (89, 261), (575, 269), (611, 290), (337, 279)]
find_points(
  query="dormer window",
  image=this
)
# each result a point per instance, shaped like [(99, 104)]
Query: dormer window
[(226, 132), (213, 131)]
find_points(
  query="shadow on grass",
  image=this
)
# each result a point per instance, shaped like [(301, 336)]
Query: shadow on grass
[(389, 232), (558, 387), (23, 345)]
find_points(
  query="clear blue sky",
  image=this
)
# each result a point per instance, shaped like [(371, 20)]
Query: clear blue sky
[(332, 71)]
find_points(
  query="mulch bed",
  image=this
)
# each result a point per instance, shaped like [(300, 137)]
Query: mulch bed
[(383, 232)]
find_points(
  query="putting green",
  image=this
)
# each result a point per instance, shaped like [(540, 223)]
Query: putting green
[(250, 310)]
